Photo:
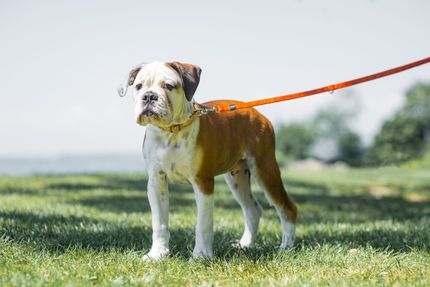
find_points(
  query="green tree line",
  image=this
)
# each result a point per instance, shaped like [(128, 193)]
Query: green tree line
[(328, 136)]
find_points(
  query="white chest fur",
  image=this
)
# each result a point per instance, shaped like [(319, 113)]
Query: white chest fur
[(172, 153)]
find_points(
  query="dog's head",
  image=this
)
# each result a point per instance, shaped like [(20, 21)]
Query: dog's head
[(162, 92)]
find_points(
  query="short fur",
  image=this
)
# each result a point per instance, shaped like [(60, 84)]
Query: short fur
[(238, 144)]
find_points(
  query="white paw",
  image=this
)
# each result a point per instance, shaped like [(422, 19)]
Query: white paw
[(288, 244), (288, 235), (156, 254), (242, 243), (237, 244), (204, 253), (246, 240)]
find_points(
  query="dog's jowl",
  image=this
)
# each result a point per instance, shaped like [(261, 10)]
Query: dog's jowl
[(182, 147)]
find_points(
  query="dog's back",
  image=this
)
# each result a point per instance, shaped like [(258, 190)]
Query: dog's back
[(227, 137)]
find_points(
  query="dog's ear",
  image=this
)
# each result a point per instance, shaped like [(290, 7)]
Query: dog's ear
[(122, 89), (190, 75)]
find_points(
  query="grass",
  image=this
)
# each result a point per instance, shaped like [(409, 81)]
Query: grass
[(364, 227)]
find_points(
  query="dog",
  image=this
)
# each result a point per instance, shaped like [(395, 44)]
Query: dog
[(179, 146)]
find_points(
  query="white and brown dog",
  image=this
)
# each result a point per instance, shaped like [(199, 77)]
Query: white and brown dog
[(178, 146)]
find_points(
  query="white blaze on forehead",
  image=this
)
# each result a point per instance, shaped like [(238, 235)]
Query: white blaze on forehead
[(155, 73)]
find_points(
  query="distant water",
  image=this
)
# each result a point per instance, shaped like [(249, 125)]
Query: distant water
[(72, 164)]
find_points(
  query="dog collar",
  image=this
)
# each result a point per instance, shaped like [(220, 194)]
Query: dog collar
[(198, 111)]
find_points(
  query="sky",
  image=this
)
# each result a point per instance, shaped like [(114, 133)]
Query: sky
[(61, 61)]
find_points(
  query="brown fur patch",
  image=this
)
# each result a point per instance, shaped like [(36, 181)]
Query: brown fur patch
[(224, 138), (190, 75)]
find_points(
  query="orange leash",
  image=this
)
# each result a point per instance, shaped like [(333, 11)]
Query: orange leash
[(329, 88)]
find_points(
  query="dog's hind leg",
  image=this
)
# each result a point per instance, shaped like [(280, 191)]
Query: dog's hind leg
[(238, 180), (268, 177), (262, 162)]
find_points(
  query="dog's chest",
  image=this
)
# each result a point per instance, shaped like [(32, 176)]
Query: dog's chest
[(173, 153)]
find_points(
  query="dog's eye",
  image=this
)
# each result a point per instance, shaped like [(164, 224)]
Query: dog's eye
[(169, 87), (138, 87)]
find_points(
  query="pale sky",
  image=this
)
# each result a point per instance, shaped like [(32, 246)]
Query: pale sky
[(61, 61)]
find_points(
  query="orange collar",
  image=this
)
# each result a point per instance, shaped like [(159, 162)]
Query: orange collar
[(198, 111)]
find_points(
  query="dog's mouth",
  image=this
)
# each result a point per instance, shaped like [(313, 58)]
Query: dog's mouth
[(146, 116), (149, 113)]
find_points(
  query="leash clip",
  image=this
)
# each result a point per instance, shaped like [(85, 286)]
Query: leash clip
[(202, 110)]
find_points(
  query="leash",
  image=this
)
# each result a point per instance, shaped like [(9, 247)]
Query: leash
[(200, 110), (329, 88)]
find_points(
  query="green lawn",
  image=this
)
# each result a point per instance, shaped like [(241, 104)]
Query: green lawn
[(360, 227)]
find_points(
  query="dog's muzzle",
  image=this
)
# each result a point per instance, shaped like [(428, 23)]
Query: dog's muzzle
[(149, 101)]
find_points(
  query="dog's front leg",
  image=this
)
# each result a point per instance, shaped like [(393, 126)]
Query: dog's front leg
[(159, 201), (203, 190)]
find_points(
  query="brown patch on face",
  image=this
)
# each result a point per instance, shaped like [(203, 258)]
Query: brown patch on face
[(133, 74), (190, 75)]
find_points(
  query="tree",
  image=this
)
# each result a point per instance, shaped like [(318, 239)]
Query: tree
[(350, 148), (327, 136), (295, 141), (406, 135), (335, 141)]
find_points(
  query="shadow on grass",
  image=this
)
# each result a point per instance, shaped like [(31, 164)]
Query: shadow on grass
[(19, 190), (106, 182), (58, 233), (123, 202), (129, 203), (359, 208), (55, 184)]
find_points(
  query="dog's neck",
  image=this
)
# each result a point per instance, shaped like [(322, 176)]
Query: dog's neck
[(182, 114), (174, 132), (193, 111)]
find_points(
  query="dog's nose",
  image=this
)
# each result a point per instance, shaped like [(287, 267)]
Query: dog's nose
[(150, 97)]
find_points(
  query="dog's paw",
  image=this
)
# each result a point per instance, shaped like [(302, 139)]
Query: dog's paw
[(287, 242), (242, 244), (246, 241), (156, 254), (205, 253)]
